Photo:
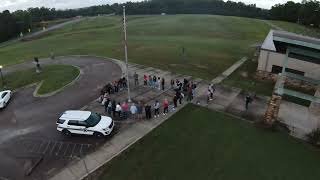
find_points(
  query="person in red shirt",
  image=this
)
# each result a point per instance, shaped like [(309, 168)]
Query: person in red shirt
[(165, 106), (125, 110), (145, 79)]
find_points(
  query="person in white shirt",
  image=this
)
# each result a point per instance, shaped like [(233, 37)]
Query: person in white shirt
[(133, 110), (156, 109), (118, 110)]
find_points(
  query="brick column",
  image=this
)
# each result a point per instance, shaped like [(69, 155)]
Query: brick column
[(272, 112)]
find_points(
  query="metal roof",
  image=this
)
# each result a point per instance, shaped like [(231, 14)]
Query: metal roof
[(76, 115), (289, 38)]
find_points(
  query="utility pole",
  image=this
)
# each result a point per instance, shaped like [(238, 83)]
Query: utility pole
[(126, 50), (2, 79)]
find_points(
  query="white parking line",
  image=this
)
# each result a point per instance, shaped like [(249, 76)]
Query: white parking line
[(72, 150), (34, 147), (80, 151), (44, 151), (53, 147), (39, 150), (59, 149), (65, 152)]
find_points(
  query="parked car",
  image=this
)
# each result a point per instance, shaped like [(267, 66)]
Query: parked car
[(85, 122), (4, 98)]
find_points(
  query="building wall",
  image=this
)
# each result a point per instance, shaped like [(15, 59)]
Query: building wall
[(268, 58)]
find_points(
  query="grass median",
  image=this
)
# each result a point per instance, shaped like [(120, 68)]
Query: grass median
[(54, 77), (197, 143)]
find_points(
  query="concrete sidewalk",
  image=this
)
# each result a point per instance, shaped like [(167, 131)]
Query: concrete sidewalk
[(229, 71)]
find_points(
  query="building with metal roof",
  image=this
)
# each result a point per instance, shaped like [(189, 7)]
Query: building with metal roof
[(274, 50)]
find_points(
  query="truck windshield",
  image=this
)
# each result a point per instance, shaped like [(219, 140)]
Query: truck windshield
[(93, 119)]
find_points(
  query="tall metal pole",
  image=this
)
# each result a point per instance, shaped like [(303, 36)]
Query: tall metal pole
[(2, 79), (126, 50)]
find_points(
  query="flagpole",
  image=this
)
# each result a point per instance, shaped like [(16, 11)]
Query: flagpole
[(126, 50)]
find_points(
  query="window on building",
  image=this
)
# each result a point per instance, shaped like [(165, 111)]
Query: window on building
[(278, 69)]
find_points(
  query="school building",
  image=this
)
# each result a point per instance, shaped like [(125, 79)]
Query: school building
[(274, 51)]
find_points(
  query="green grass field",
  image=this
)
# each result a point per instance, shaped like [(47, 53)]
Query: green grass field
[(212, 43), (51, 75), (197, 143), (297, 28)]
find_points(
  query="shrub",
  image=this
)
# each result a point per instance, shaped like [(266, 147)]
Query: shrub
[(314, 137)]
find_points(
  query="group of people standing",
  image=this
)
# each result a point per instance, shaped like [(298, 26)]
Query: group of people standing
[(124, 110), (154, 82), (112, 88), (156, 109), (183, 89), (134, 110)]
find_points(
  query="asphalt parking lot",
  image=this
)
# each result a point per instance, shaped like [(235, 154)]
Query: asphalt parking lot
[(28, 134)]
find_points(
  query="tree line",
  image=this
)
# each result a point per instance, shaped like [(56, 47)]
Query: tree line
[(306, 12), (12, 24)]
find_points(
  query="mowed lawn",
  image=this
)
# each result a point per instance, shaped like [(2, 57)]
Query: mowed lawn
[(211, 43), (197, 143), (297, 28), (54, 77)]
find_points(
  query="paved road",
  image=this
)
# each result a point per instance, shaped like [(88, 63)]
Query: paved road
[(28, 129), (41, 32)]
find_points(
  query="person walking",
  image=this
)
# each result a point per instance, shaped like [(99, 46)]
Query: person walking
[(106, 104), (145, 79), (189, 93), (136, 79), (109, 108), (113, 107), (165, 106), (139, 109), (150, 81), (193, 86), (212, 89), (172, 83), (180, 96), (148, 111), (154, 81), (162, 84), (125, 109), (159, 83), (179, 84), (105, 97), (118, 110), (115, 86), (208, 93), (133, 110), (175, 102), (156, 109), (248, 101), (124, 83)]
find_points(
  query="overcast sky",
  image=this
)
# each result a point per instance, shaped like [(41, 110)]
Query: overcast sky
[(13, 5)]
